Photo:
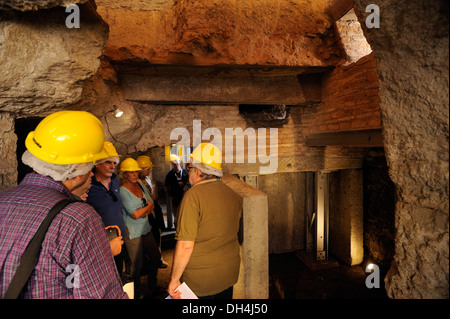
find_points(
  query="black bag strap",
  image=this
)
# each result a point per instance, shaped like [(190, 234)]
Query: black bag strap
[(142, 189), (31, 254)]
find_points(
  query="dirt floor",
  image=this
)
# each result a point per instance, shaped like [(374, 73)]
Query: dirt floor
[(291, 278)]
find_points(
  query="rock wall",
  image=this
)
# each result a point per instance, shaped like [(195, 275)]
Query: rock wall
[(44, 63), (379, 211), (207, 32), (411, 48), (8, 162), (28, 5)]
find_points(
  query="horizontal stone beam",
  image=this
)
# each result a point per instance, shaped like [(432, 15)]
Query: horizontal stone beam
[(288, 90)]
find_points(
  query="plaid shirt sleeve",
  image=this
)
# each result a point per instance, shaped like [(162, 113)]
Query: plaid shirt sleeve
[(75, 260), (91, 254)]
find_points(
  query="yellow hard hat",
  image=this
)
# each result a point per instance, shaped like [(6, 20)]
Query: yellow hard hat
[(129, 165), (67, 137), (144, 161), (173, 157), (108, 150), (208, 154)]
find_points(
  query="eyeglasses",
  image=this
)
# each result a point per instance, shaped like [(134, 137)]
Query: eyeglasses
[(144, 202)]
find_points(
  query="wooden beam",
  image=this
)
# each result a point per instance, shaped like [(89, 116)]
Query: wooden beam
[(364, 138)]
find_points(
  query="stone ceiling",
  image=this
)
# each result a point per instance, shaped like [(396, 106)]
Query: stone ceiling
[(45, 65), (264, 32)]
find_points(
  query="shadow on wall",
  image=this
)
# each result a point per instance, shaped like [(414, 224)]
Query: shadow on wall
[(23, 127), (379, 211)]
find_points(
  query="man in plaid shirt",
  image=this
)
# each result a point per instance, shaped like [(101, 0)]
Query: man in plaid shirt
[(75, 259)]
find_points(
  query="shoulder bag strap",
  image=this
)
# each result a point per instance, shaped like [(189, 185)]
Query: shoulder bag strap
[(143, 191), (31, 254)]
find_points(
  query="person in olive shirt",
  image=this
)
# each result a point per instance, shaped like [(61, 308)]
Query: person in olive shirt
[(207, 250)]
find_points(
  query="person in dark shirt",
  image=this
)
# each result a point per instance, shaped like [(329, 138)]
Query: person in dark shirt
[(104, 196), (176, 183)]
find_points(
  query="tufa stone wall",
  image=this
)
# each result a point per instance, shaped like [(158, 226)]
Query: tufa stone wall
[(411, 49), (379, 211), (44, 64), (206, 32), (8, 162)]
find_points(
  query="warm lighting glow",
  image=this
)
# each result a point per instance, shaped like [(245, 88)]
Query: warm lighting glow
[(118, 113)]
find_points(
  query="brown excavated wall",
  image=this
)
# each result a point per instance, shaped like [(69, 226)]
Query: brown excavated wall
[(232, 32), (411, 49), (44, 65)]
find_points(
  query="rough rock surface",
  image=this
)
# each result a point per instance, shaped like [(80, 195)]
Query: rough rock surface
[(411, 48), (209, 32), (27, 5), (379, 211), (44, 63), (8, 162)]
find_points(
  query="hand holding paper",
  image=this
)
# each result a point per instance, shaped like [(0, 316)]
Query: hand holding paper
[(186, 292)]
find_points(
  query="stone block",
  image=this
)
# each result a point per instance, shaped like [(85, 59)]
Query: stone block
[(253, 280)]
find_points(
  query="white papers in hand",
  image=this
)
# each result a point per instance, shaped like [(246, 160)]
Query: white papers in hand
[(129, 289), (186, 292)]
